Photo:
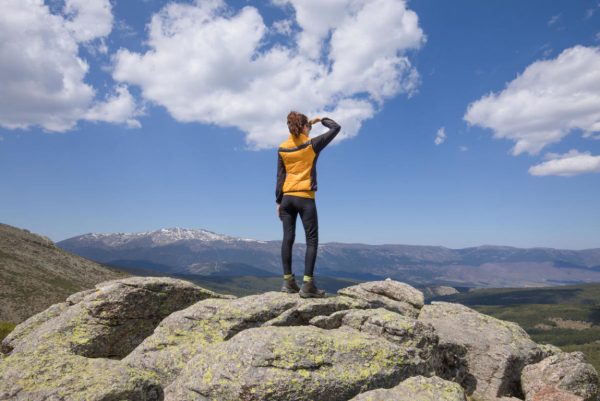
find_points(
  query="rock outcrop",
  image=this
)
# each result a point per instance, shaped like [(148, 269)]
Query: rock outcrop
[(70, 351), (568, 372), (497, 350), (193, 330), (152, 339)]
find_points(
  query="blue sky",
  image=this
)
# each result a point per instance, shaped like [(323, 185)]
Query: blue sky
[(175, 130)]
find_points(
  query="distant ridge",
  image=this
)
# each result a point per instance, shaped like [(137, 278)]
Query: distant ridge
[(203, 252)]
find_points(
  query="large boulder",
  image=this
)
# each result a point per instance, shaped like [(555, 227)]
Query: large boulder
[(390, 294), (63, 353), (566, 371), (295, 363), (417, 388), (497, 350), (111, 320)]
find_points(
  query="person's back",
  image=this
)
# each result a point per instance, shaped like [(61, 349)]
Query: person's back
[(295, 194)]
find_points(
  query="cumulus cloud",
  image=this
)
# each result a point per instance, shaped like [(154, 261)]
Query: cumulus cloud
[(41, 74), (119, 107), (88, 20), (440, 136), (546, 102), (208, 63), (568, 164)]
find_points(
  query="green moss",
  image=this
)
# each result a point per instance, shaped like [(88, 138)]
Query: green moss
[(5, 329), (73, 377)]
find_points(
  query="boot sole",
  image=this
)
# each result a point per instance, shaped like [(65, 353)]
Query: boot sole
[(286, 290)]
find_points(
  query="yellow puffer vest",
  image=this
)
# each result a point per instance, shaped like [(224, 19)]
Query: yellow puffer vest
[(297, 162), (299, 159)]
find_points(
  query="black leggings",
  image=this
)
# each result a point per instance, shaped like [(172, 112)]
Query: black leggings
[(288, 211)]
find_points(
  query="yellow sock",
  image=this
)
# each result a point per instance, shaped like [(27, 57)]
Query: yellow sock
[(307, 278), (287, 276)]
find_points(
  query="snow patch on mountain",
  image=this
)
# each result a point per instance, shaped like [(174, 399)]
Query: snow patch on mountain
[(163, 236)]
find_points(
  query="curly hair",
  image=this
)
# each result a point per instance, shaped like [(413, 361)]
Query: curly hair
[(296, 122)]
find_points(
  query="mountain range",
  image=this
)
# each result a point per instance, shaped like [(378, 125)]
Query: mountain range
[(206, 253)]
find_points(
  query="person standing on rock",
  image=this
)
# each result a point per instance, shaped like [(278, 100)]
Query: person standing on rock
[(295, 193)]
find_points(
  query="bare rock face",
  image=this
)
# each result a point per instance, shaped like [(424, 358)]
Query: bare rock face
[(568, 372), (417, 388), (497, 350), (295, 363), (389, 294), (551, 393), (62, 353)]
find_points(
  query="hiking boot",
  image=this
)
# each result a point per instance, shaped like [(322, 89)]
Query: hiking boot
[(309, 290), (290, 286)]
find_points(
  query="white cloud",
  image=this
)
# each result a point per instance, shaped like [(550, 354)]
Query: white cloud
[(119, 107), (440, 136), (546, 102), (41, 73), (568, 164), (87, 20), (208, 63)]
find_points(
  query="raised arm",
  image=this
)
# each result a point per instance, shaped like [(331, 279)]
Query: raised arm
[(280, 179), (319, 142)]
